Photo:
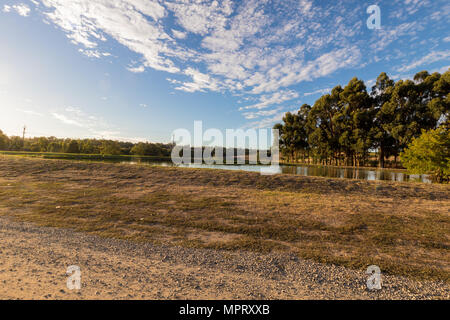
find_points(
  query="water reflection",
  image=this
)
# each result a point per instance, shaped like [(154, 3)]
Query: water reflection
[(314, 171), (354, 173)]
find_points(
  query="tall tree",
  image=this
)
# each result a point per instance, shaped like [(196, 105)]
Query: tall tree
[(356, 121), (382, 138), (440, 103), (323, 125), (411, 107)]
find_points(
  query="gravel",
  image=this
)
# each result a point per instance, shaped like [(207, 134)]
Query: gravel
[(34, 260)]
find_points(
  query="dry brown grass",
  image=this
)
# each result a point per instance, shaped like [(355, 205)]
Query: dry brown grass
[(402, 227)]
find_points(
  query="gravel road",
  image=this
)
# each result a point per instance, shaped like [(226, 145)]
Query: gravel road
[(34, 260)]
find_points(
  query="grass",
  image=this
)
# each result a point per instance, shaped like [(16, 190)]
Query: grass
[(401, 227), (81, 156)]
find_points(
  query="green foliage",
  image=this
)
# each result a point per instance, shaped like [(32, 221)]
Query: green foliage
[(4, 141), (110, 148), (429, 153), (347, 125), (83, 146), (72, 146), (139, 149)]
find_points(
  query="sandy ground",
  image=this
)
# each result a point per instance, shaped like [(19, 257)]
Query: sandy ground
[(34, 260)]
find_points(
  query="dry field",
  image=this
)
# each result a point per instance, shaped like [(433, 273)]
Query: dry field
[(402, 227)]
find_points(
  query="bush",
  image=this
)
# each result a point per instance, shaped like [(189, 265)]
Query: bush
[(429, 153)]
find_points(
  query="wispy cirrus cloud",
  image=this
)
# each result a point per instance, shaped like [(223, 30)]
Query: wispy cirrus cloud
[(241, 44), (254, 48), (93, 126), (272, 99), (319, 91), (426, 60)]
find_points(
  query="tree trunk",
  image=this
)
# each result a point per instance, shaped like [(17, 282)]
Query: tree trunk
[(381, 157)]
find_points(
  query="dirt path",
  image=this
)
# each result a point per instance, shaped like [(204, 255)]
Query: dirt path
[(33, 263)]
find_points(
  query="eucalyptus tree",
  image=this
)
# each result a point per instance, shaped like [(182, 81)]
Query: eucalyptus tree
[(412, 109), (323, 122), (289, 134), (382, 137), (440, 103), (356, 122)]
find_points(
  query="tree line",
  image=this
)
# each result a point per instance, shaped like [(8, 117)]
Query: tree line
[(83, 146), (351, 125)]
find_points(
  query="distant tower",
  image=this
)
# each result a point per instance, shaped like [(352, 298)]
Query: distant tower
[(23, 134)]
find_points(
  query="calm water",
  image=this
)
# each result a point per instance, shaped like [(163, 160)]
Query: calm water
[(315, 171)]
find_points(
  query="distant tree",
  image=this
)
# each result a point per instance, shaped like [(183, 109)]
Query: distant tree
[(110, 148), (87, 146), (54, 147), (139, 149), (429, 153), (42, 144), (282, 143), (4, 141), (73, 147), (15, 143)]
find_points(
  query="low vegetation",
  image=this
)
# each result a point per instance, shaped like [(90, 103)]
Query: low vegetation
[(401, 227), (430, 153)]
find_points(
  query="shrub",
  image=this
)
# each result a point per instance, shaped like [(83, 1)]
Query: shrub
[(429, 153)]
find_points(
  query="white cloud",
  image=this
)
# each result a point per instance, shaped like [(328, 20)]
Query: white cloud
[(131, 23), (426, 60), (200, 82), (261, 113), (77, 117), (444, 69), (200, 16), (272, 99), (66, 120), (387, 35), (242, 45), (256, 48), (139, 69), (21, 9), (94, 53), (179, 34), (30, 112), (267, 122), (91, 125), (319, 91)]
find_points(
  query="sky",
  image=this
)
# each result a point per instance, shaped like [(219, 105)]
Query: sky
[(137, 70)]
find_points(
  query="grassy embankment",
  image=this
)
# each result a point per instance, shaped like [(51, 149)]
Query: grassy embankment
[(81, 156), (401, 227)]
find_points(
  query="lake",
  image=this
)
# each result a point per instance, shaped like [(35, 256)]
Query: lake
[(310, 170)]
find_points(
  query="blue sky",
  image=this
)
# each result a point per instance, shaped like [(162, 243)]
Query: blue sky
[(139, 69)]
